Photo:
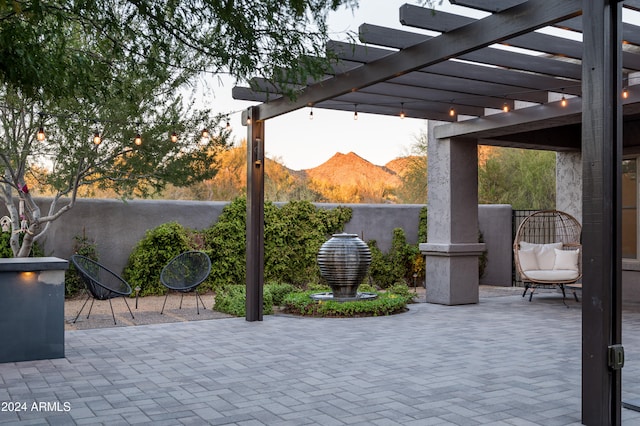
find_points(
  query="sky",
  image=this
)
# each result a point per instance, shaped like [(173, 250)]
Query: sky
[(300, 143)]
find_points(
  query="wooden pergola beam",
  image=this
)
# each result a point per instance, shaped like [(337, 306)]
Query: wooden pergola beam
[(517, 20)]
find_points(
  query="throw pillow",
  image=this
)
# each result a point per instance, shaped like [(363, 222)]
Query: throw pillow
[(544, 252), (566, 259), (527, 259)]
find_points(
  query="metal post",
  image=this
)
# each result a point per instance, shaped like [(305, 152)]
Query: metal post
[(255, 216), (602, 161)]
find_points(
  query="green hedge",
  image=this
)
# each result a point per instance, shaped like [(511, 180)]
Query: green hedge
[(153, 252), (293, 236), (387, 303)]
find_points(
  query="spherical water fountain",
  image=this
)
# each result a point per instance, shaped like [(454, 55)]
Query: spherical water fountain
[(344, 261)]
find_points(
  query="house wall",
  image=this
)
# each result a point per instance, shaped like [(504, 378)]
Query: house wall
[(569, 183), (569, 199), (117, 226)]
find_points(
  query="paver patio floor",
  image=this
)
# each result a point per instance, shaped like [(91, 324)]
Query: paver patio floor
[(504, 361)]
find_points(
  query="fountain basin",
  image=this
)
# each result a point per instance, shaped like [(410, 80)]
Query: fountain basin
[(360, 296)]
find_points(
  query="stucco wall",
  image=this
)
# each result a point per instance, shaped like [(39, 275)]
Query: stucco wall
[(493, 222), (117, 226)]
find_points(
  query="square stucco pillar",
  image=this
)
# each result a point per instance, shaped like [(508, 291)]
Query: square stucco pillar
[(452, 247), (569, 183)]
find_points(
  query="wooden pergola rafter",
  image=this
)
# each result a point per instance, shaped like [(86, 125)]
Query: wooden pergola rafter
[(464, 68)]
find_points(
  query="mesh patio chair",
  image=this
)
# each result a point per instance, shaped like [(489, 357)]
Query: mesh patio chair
[(547, 251), (101, 283), (184, 273)]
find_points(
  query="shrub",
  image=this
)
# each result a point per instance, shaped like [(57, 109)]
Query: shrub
[(293, 236), (398, 265), (5, 246), (401, 290), (84, 246), (423, 226), (279, 291), (153, 252), (232, 300), (225, 242), (482, 260), (386, 304)]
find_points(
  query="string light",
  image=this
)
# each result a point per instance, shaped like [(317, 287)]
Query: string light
[(355, 111), (563, 101), (402, 114), (311, 114), (452, 112), (41, 135), (505, 107), (625, 93)]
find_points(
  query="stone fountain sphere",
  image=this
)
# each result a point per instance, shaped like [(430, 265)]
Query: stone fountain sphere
[(344, 261)]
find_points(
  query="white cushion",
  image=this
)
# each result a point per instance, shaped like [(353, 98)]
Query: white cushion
[(545, 254), (552, 276), (527, 259), (566, 259)]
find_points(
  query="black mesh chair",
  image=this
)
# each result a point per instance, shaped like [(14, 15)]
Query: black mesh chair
[(101, 283), (184, 273)]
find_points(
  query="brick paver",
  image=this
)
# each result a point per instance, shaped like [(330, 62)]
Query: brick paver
[(504, 361)]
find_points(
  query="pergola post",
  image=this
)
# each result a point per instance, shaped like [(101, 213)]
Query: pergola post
[(602, 354), (255, 216), (452, 247)]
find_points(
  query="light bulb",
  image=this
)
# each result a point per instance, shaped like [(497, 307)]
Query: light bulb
[(138, 140), (563, 101), (625, 93), (452, 112), (205, 133), (505, 107), (96, 138), (40, 136), (174, 137)]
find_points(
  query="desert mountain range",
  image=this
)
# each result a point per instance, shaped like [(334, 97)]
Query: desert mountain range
[(351, 169)]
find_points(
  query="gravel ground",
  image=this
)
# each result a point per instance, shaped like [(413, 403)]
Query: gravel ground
[(149, 307), (147, 311)]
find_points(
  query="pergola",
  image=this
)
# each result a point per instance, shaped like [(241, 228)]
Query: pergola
[(559, 94)]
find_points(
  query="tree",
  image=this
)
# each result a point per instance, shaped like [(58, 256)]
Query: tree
[(523, 178), (414, 176), (117, 68), (70, 158), (283, 41)]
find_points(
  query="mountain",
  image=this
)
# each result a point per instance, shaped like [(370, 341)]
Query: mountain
[(401, 164), (352, 170)]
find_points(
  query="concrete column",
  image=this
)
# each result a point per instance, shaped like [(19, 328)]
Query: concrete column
[(452, 247), (569, 183)]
